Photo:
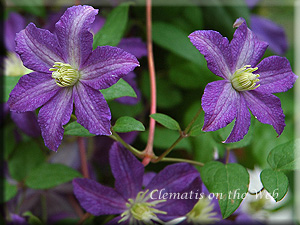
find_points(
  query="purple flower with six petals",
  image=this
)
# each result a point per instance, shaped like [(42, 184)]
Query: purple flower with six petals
[(139, 205), (247, 83), (66, 69)]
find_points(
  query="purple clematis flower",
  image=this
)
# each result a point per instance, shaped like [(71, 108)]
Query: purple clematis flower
[(13, 66), (267, 30), (67, 70), (247, 83), (270, 32), (139, 205)]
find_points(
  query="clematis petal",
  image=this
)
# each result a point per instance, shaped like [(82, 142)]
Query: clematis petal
[(27, 122), (73, 34), (106, 65), (266, 108), (127, 171), (38, 48), (14, 24), (246, 48), (53, 115), (270, 32), (215, 49), (91, 109), (242, 122), (276, 75), (219, 104), (98, 199), (134, 46), (32, 91), (176, 178)]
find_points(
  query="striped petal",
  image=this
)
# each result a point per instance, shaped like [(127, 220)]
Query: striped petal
[(246, 48), (128, 171), (219, 104), (73, 34), (276, 75), (266, 108), (32, 91), (53, 115), (242, 122), (91, 109), (106, 65), (215, 49), (38, 48), (98, 199)]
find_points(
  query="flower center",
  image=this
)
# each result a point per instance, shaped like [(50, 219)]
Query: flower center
[(141, 210), (244, 79), (202, 213), (64, 74)]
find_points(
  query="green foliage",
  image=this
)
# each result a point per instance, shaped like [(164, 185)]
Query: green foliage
[(9, 84), (32, 219), (175, 40), (113, 30), (50, 175), (166, 121), (230, 181), (167, 95), (127, 124), (10, 145), (164, 138), (75, 129), (118, 90), (281, 158), (10, 191), (34, 7), (26, 157), (275, 182)]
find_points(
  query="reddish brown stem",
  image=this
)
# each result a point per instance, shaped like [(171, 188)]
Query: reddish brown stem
[(148, 152), (83, 158)]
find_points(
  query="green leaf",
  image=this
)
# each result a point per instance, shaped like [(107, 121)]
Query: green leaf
[(187, 75), (120, 89), (32, 220), (175, 40), (8, 146), (229, 182), (75, 129), (10, 191), (221, 16), (35, 7), (164, 138), (275, 182), (50, 175), (167, 94), (9, 84), (127, 124), (113, 30), (281, 158), (196, 130), (26, 157), (166, 121)]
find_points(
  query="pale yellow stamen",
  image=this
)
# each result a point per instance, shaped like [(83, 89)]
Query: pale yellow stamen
[(140, 210), (244, 79), (202, 213), (64, 74)]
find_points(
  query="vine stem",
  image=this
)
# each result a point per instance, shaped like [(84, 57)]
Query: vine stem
[(183, 160), (183, 134), (148, 152), (83, 158)]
